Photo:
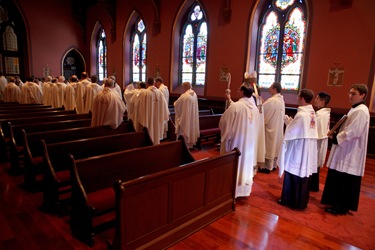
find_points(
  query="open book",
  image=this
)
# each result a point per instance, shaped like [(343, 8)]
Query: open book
[(337, 125)]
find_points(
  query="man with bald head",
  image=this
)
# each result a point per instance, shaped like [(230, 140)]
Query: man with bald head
[(187, 115), (108, 108)]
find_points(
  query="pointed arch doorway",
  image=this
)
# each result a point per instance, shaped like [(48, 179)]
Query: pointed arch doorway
[(73, 64)]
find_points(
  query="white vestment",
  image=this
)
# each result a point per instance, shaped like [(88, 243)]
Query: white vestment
[(47, 93), (31, 93), (152, 111), (3, 84), (129, 92), (322, 123), (187, 117), (349, 155), (238, 125), (80, 92), (274, 112), (91, 91), (70, 96), (118, 90), (164, 90), (12, 93), (260, 147), (299, 154), (108, 109), (58, 94)]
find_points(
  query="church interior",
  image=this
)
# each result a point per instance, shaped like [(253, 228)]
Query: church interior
[(324, 46)]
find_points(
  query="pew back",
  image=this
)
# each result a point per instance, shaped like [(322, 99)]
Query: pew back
[(33, 145), (135, 163), (156, 211)]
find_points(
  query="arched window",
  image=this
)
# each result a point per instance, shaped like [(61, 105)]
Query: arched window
[(193, 47), (101, 59), (12, 55), (138, 52), (281, 44)]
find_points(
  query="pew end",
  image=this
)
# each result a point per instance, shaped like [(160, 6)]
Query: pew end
[(158, 210)]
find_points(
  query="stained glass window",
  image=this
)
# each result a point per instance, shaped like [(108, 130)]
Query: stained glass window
[(10, 39), (281, 45), (138, 54), (101, 55), (194, 48)]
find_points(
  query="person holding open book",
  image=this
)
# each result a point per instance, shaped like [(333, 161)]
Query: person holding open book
[(347, 158)]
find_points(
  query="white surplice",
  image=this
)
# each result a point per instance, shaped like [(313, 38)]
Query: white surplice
[(108, 109), (152, 111), (47, 93), (349, 155), (260, 147), (70, 96), (299, 155), (274, 112), (238, 125), (322, 122), (12, 93), (31, 93), (92, 90), (187, 117), (80, 92), (165, 91), (58, 94)]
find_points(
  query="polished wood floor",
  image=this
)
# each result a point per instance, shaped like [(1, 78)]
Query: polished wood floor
[(258, 222)]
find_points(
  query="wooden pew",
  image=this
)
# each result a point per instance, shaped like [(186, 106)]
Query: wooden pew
[(209, 128), (33, 147), (20, 112), (16, 150), (37, 113), (160, 209), (92, 195), (41, 117), (56, 178)]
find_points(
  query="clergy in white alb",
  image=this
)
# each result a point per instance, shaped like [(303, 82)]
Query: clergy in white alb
[(47, 91), (31, 93), (187, 115), (238, 126), (322, 124), (12, 92), (347, 157), (70, 93), (3, 84), (298, 155), (80, 91), (260, 146), (152, 111), (274, 112), (164, 89), (58, 93), (92, 90), (108, 109), (131, 96)]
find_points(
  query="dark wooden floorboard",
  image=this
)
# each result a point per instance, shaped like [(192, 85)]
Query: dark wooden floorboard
[(257, 223)]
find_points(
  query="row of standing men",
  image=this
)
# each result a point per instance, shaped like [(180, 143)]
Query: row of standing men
[(257, 129)]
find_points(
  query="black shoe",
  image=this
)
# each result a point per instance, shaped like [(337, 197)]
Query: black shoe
[(331, 210), (264, 170)]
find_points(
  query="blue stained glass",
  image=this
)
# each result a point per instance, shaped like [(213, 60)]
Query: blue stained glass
[(283, 4), (197, 13), (141, 26)]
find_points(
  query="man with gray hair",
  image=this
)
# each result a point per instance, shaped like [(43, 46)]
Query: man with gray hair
[(108, 108), (274, 112), (187, 115)]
